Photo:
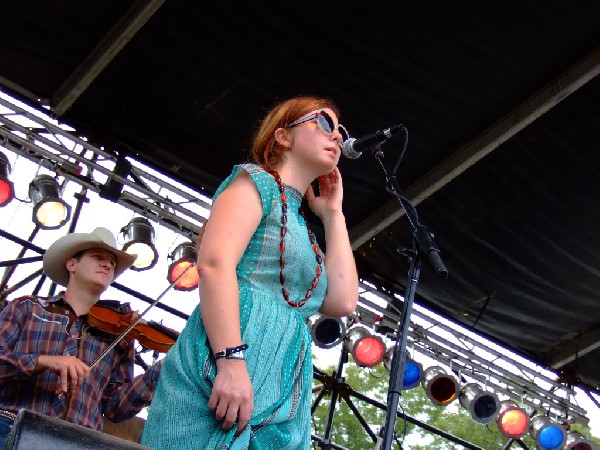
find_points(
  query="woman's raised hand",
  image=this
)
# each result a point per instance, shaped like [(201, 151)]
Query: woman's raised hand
[(331, 193)]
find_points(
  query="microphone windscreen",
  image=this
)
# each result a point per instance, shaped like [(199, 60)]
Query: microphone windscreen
[(348, 149)]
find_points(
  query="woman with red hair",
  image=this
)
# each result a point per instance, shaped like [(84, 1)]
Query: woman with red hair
[(240, 373)]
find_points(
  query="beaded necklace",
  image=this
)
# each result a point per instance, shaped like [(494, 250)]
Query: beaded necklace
[(313, 242)]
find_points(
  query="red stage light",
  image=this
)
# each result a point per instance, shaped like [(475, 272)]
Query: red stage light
[(189, 280), (7, 190), (367, 349), (513, 422), (184, 256)]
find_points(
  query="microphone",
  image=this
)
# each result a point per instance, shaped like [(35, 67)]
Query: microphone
[(353, 148)]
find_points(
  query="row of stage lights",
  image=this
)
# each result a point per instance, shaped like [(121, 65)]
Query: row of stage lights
[(51, 212), (368, 350)]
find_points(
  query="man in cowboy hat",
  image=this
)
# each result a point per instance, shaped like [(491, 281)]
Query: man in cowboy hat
[(46, 346)]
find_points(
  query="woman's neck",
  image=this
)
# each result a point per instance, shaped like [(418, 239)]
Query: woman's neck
[(295, 177)]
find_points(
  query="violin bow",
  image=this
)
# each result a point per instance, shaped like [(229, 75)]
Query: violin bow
[(136, 321)]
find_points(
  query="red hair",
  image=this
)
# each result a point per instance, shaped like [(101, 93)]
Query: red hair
[(266, 151)]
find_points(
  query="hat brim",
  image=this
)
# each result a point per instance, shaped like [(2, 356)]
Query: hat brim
[(61, 250)]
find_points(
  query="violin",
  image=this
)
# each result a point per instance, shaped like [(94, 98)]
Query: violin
[(113, 317), (126, 322)]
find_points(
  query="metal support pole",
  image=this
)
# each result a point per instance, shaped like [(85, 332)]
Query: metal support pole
[(326, 443)]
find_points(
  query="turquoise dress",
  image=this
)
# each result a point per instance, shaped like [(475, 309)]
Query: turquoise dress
[(278, 358)]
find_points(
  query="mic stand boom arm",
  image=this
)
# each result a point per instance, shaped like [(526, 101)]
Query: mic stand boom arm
[(423, 245)]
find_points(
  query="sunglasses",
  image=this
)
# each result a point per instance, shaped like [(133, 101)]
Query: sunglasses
[(325, 124)]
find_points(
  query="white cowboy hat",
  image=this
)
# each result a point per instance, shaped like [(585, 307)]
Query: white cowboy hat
[(62, 249)]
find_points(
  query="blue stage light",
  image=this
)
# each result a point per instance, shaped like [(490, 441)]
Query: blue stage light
[(413, 371), (548, 435)]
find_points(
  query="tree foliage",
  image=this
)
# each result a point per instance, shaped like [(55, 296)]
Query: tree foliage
[(347, 431)]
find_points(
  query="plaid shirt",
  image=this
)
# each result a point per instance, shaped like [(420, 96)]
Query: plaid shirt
[(31, 326)]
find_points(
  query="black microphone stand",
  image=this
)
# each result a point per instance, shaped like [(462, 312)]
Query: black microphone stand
[(423, 245)]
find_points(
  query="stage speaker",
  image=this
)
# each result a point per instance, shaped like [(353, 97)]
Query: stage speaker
[(34, 431)]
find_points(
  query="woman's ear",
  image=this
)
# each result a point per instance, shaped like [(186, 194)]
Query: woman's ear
[(282, 137)]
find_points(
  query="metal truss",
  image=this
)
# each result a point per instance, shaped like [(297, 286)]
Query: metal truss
[(31, 135)]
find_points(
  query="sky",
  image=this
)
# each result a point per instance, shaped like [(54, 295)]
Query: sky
[(16, 218)]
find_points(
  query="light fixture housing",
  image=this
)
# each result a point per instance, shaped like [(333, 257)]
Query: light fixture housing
[(184, 256), (548, 435), (483, 406), (513, 422), (367, 349), (113, 188), (7, 188), (440, 387), (49, 210), (327, 332), (413, 370), (139, 240), (576, 441)]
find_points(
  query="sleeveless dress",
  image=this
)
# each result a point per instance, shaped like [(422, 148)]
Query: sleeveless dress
[(278, 358)]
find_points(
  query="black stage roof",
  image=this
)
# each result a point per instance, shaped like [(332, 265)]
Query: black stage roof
[(500, 98)]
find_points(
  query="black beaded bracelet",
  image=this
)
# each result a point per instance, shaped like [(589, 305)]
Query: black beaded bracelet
[(229, 351)]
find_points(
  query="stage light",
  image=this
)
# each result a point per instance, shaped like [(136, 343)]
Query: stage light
[(184, 256), (327, 332), (139, 240), (440, 387), (49, 210), (513, 422), (481, 404), (113, 189), (548, 435), (576, 441), (7, 189), (413, 370), (367, 349)]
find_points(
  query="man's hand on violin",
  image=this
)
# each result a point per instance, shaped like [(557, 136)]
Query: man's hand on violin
[(71, 370), (232, 397)]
